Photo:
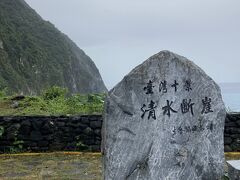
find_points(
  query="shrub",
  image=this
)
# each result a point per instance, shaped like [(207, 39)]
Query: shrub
[(54, 92), (95, 98), (3, 92), (54, 101), (33, 106)]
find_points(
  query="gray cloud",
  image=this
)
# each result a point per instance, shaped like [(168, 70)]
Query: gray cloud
[(118, 35)]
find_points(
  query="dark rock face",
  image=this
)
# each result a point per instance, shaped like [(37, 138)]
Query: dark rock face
[(232, 132), (164, 120), (35, 55)]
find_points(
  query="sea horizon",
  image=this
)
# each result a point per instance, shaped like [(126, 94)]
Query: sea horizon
[(231, 95)]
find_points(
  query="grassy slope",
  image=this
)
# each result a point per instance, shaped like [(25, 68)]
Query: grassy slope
[(47, 104)]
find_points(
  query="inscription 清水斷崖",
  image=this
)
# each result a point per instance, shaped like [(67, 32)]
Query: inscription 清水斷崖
[(168, 109), (150, 110), (207, 107), (187, 106)]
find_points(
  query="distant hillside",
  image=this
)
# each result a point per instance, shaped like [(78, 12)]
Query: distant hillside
[(35, 55)]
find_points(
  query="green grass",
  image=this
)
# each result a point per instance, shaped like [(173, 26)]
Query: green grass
[(54, 101)]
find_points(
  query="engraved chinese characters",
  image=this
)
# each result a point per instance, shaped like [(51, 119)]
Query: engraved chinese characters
[(186, 105), (164, 120)]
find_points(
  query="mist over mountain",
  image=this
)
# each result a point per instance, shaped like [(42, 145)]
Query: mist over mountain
[(35, 55)]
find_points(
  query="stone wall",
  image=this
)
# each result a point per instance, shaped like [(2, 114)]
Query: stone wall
[(50, 133), (232, 132), (42, 133)]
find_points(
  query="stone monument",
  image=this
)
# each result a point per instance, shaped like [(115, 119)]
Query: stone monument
[(164, 121)]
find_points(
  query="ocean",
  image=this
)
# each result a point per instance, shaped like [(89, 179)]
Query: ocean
[(232, 101), (231, 96)]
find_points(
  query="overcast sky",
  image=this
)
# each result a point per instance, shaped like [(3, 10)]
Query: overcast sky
[(120, 34)]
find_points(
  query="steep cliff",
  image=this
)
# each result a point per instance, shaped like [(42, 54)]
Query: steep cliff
[(35, 55)]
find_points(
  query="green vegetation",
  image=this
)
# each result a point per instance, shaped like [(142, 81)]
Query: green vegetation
[(53, 101), (17, 144), (225, 178), (80, 145)]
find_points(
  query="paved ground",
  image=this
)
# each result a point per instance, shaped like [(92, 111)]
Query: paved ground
[(59, 166)]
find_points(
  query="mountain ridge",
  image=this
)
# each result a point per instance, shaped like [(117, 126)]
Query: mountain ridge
[(34, 54)]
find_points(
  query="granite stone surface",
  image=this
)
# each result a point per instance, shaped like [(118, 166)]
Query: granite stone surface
[(164, 121)]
